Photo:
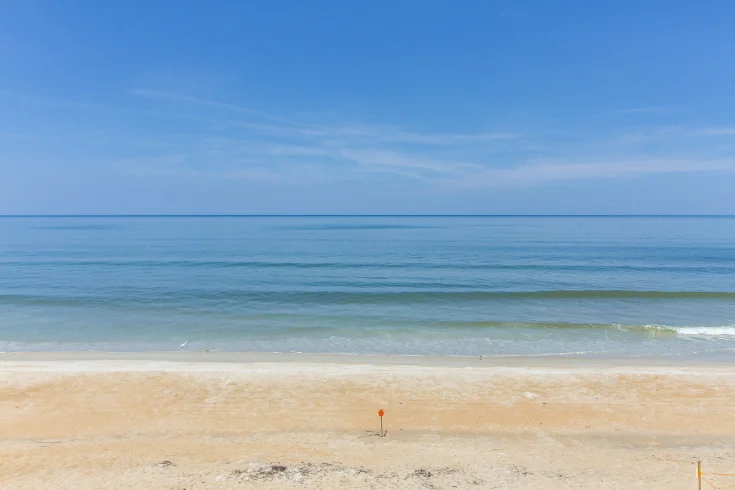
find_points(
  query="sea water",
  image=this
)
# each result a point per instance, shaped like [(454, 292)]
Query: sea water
[(490, 286)]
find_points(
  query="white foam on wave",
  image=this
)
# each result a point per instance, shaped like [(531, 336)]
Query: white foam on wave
[(709, 331)]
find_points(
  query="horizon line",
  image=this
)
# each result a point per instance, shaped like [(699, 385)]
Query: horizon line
[(367, 215)]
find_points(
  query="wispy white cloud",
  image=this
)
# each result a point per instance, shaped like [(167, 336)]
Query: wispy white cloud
[(645, 110), (287, 163), (673, 135), (549, 171), (158, 94), (293, 128), (717, 131), (381, 158), (449, 138), (237, 142)]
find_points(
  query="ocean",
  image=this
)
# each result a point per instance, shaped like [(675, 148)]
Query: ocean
[(450, 285)]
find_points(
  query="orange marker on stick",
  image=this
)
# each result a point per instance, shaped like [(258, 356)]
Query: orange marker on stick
[(380, 414)]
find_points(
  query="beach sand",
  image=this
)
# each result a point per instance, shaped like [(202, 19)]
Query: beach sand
[(210, 420)]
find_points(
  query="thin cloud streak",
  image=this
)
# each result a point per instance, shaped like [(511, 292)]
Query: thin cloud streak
[(722, 131), (284, 150), (544, 172), (157, 94), (298, 128), (645, 110)]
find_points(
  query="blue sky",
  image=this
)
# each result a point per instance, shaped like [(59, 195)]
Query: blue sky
[(367, 107)]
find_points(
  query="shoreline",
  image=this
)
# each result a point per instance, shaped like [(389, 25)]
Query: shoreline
[(247, 358)]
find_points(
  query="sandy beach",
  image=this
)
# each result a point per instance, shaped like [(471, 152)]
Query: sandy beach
[(214, 420)]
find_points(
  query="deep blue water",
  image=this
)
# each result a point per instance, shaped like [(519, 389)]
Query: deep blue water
[(606, 286)]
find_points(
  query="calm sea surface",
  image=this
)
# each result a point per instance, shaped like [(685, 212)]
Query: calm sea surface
[(492, 286)]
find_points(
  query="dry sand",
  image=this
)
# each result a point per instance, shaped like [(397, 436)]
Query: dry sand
[(184, 422)]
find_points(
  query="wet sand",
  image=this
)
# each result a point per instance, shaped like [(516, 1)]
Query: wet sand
[(212, 420)]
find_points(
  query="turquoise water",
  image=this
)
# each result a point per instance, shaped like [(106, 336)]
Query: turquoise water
[(492, 286)]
